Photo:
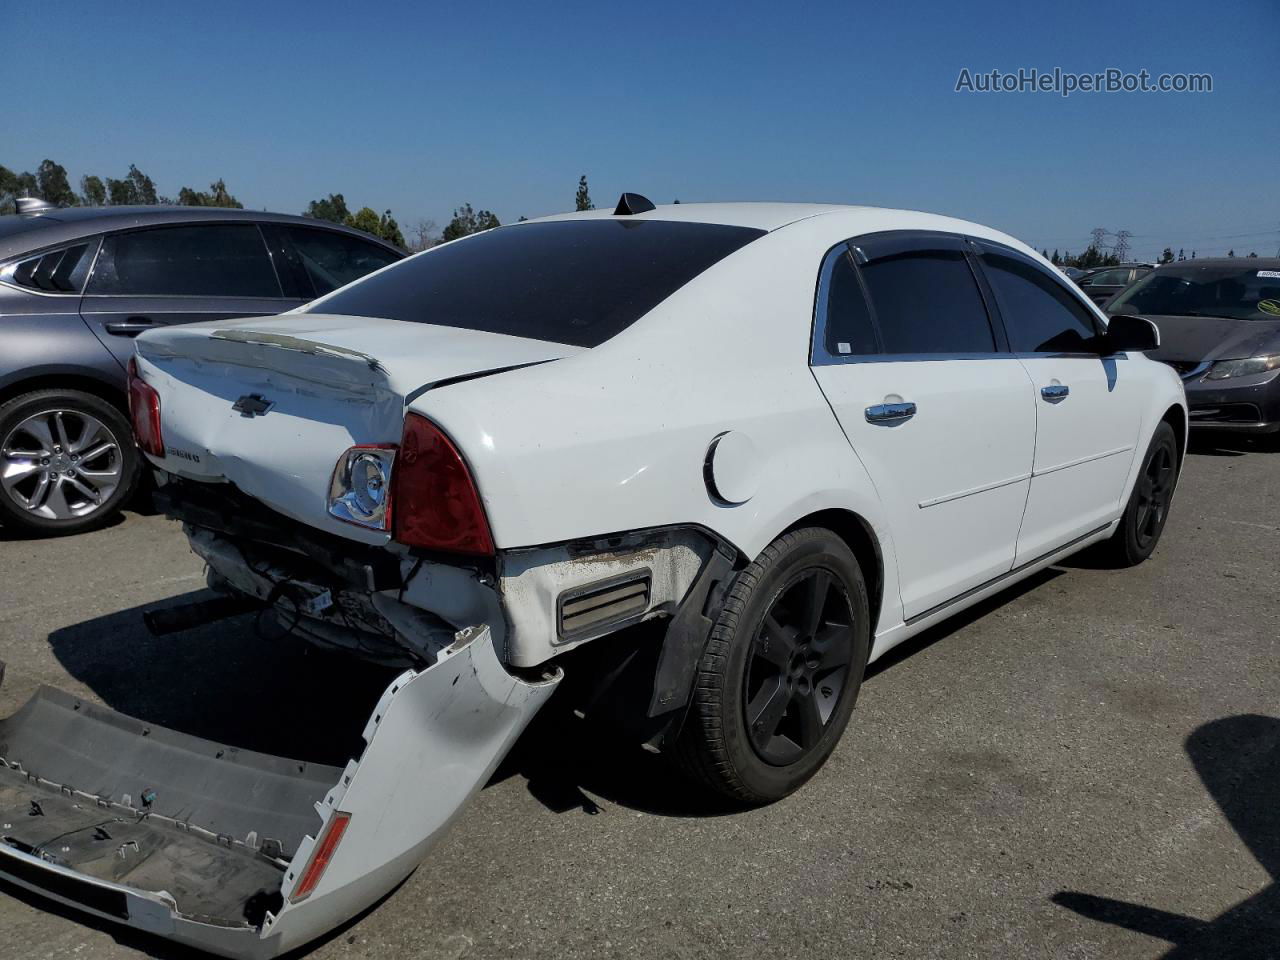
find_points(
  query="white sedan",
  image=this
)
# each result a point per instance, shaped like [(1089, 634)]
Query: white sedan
[(798, 434)]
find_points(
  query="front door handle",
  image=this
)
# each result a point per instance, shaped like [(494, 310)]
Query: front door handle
[(131, 327), (890, 412), (1055, 392)]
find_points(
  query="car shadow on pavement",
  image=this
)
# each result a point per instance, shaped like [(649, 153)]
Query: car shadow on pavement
[(957, 622), (1238, 760), (226, 683)]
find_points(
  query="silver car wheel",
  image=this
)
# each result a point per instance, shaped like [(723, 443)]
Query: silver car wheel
[(60, 464)]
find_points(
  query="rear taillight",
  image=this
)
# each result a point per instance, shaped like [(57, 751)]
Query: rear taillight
[(321, 855), (144, 411), (437, 504)]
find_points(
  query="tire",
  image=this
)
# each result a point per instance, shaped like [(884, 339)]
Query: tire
[(747, 666), (1145, 514), (67, 460)]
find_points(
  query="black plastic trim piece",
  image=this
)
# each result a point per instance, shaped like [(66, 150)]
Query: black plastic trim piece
[(103, 900), (632, 203)]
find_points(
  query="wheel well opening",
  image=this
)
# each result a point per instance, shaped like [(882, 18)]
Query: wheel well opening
[(856, 532), (102, 391), (1176, 417)]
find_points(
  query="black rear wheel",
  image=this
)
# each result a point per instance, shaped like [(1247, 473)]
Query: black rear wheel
[(781, 672)]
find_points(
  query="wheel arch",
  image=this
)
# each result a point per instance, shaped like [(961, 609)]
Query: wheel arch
[(857, 532), (1176, 417), (75, 380)]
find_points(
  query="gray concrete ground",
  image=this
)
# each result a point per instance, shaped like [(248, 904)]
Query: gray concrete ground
[(1087, 767)]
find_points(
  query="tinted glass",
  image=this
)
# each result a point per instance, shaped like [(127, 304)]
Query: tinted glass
[(1040, 314), (213, 260), (333, 260), (927, 301), (1110, 278), (1251, 293), (849, 330), (578, 282)]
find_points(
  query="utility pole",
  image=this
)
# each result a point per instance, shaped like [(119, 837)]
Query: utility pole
[(1122, 245)]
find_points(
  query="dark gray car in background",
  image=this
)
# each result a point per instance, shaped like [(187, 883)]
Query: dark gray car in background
[(77, 285), (1219, 323)]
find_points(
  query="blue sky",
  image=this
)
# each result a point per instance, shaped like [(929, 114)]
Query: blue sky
[(420, 107)]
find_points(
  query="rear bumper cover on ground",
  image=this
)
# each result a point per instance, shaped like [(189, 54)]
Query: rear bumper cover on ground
[(203, 844)]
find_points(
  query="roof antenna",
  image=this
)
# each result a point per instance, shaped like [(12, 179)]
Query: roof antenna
[(632, 203), (32, 205)]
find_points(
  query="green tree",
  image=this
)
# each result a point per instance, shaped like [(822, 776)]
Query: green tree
[(53, 186), (333, 208), (1055, 259), (582, 199), (136, 188), (1253, 255), (467, 221), (1231, 252), (218, 196), (1167, 255), (389, 230), (93, 192), (384, 226), (14, 185)]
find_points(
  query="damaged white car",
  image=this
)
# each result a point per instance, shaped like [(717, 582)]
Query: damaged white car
[(796, 434)]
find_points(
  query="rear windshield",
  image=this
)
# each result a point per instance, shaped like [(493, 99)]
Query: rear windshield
[(578, 282), (1241, 293)]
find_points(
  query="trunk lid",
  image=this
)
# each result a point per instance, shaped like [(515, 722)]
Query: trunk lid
[(270, 405)]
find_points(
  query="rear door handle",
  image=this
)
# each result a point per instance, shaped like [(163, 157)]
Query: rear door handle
[(131, 327), (890, 412), (1055, 392)]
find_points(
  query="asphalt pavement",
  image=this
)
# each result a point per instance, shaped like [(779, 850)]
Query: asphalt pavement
[(1087, 766)]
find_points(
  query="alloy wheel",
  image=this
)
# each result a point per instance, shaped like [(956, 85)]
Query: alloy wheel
[(1155, 490), (798, 666), (60, 464)]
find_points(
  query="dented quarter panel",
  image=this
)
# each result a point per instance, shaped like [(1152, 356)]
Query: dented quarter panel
[(532, 580)]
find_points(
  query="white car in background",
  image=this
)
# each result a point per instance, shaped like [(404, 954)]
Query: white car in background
[(799, 434)]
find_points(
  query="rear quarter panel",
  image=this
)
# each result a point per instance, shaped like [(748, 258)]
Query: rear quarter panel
[(616, 438)]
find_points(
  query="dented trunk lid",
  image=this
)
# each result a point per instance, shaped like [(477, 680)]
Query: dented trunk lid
[(270, 405)]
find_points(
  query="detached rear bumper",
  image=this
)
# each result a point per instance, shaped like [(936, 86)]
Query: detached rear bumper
[(208, 845)]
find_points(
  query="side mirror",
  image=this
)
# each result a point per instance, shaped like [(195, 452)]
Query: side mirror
[(1125, 332)]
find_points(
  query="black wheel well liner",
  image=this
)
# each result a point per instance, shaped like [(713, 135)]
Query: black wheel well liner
[(1176, 417), (855, 531)]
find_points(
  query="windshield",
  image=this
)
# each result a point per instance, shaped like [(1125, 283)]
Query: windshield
[(1241, 293), (578, 282)]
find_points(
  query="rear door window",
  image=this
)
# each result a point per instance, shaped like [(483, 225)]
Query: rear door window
[(848, 329), (577, 282), (925, 296), (332, 259), (1040, 314), (197, 260)]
